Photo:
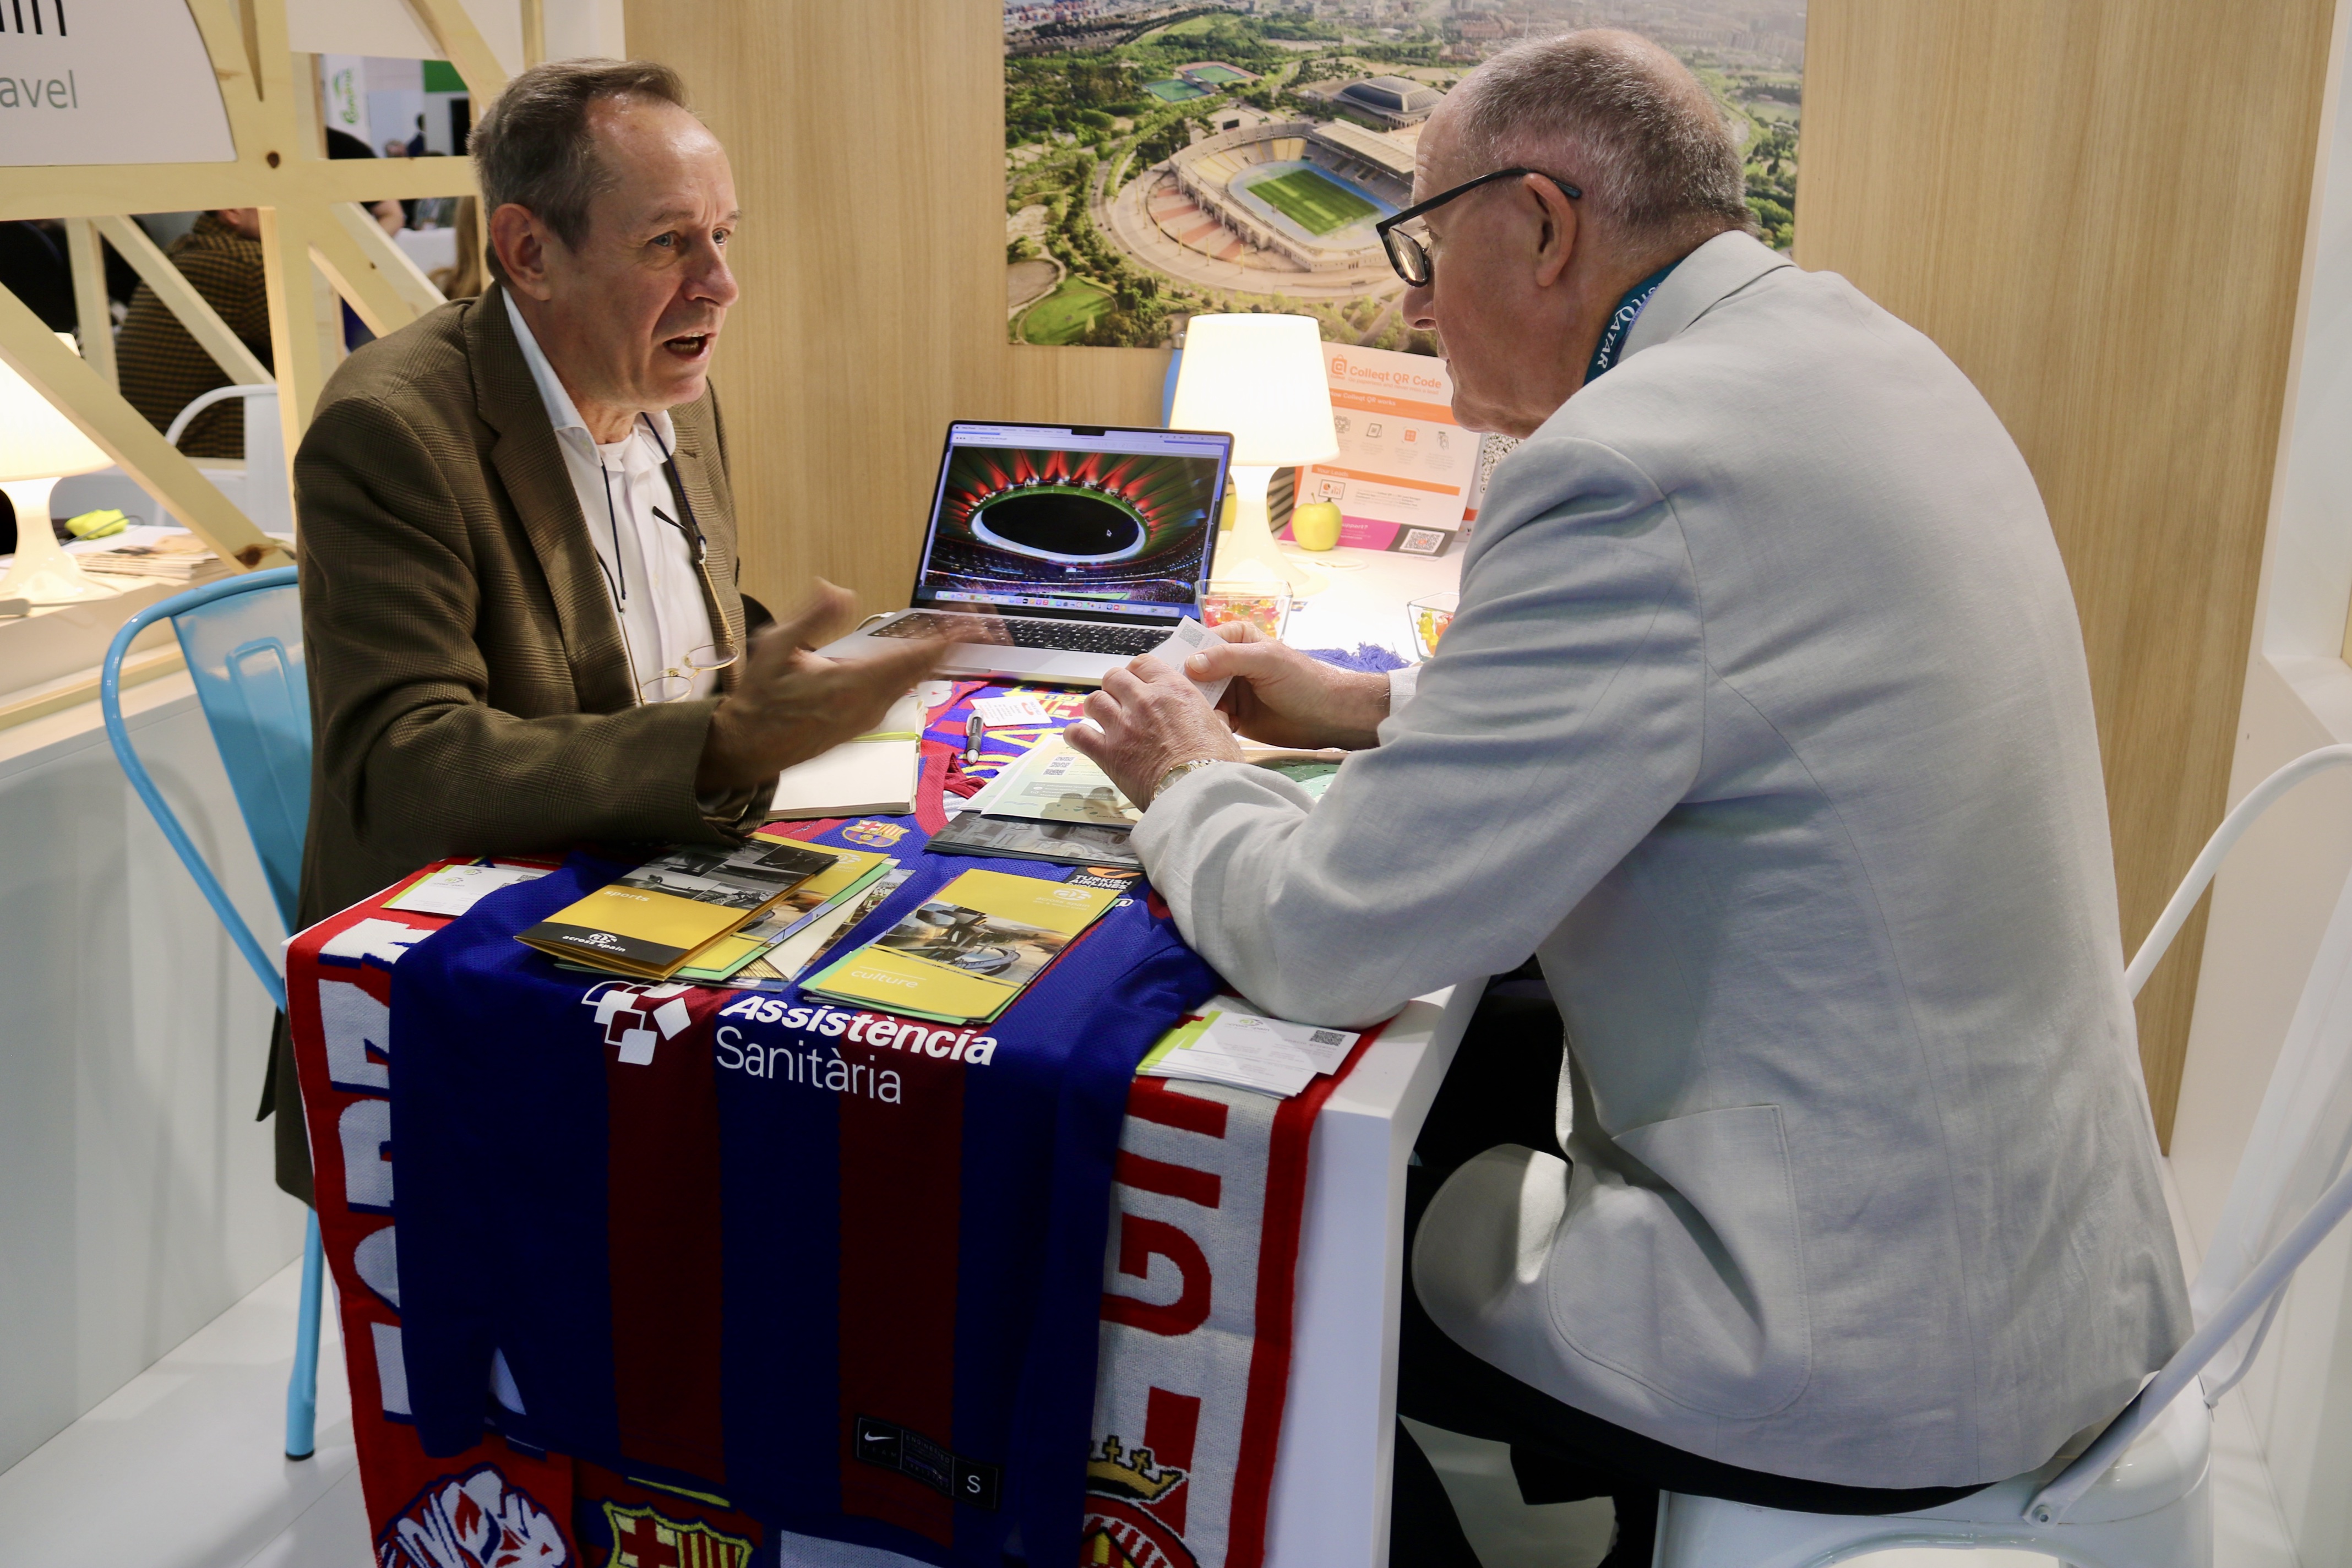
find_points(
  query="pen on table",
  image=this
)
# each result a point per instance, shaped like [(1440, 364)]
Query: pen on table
[(973, 732)]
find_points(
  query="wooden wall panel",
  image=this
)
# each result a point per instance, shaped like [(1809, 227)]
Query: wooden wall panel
[(867, 143), (2096, 207)]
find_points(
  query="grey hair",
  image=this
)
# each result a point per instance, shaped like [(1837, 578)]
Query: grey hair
[(535, 148), (1620, 117)]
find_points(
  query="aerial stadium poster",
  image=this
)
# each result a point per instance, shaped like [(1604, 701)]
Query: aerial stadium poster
[(1164, 158)]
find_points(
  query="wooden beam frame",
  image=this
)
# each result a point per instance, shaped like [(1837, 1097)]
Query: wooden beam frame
[(93, 314), (309, 217), (180, 297), (357, 279), (100, 190), (462, 42), (398, 270), (58, 374), (293, 334)]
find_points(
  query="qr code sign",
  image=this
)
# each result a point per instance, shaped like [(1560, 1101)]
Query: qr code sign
[(1422, 541), (1327, 1037)]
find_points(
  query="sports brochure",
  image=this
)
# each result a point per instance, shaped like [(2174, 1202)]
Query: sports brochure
[(967, 953), (1055, 784), (648, 924), (1014, 838), (840, 884)]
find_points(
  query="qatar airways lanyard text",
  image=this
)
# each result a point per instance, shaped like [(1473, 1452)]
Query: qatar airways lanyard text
[(1620, 322)]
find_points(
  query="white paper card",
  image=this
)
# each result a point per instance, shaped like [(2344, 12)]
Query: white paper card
[(1327, 1048), (454, 889), (1270, 1067), (1207, 1066), (1189, 638), (1003, 713)]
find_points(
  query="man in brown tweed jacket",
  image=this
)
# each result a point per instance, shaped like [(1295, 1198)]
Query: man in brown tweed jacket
[(518, 552), (162, 368)]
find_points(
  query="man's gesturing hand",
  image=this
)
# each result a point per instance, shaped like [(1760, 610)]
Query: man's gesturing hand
[(790, 705), (1283, 698), (1145, 719)]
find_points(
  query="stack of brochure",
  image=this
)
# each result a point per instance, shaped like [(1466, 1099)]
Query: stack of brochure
[(834, 890), (668, 912), (808, 948), (1052, 782), (965, 955), (1011, 838), (1050, 804), (1233, 1043)]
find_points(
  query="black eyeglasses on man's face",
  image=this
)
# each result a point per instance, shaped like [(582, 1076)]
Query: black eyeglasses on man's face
[(1409, 252)]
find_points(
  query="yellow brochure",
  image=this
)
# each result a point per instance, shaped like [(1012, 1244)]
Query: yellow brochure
[(656, 918), (849, 866), (970, 950)]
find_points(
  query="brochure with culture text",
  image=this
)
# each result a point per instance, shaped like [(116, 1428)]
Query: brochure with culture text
[(964, 956)]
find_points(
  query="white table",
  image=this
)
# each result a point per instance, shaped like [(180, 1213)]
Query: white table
[(1331, 1471), (1366, 600), (1338, 1423)]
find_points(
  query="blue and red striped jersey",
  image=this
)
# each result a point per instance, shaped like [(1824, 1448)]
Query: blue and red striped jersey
[(842, 1268)]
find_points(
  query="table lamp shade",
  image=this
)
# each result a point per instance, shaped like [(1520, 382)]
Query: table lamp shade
[(37, 442), (37, 445), (1260, 377)]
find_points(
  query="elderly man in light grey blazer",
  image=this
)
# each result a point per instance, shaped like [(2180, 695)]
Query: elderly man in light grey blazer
[(1765, 724)]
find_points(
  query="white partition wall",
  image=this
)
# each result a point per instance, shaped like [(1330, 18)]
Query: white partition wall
[(2273, 898), (136, 1202)]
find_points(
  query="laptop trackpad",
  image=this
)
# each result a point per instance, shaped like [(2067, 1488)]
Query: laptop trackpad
[(1032, 663)]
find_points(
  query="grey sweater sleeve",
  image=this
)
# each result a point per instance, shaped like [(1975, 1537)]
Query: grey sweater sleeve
[(1559, 721)]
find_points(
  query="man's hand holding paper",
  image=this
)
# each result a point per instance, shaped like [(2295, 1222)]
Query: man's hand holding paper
[(1150, 716)]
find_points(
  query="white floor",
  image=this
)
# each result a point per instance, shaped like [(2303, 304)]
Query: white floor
[(181, 1468), (184, 1467)]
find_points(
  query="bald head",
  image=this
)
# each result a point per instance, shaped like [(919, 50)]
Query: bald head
[(1614, 113)]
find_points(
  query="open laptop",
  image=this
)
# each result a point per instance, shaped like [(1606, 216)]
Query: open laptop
[(1059, 552)]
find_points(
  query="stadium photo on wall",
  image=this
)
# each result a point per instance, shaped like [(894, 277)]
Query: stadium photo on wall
[(1165, 158)]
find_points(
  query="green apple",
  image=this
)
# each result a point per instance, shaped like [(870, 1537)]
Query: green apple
[(1315, 525)]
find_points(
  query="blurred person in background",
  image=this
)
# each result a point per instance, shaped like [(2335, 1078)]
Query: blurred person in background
[(163, 369), (468, 276)]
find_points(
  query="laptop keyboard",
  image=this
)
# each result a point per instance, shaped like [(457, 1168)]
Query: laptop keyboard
[(1012, 631)]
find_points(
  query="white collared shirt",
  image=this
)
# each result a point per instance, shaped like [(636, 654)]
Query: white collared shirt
[(649, 566)]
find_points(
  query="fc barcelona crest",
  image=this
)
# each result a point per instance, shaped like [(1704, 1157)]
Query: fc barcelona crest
[(873, 835), (644, 1538)]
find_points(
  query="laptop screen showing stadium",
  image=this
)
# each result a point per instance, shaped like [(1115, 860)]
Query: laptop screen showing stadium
[(1057, 520)]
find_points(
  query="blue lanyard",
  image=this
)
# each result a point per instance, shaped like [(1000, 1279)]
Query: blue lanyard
[(1620, 322)]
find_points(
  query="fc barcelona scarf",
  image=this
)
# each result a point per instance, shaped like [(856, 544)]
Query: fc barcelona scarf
[(1194, 1302), (842, 1268)]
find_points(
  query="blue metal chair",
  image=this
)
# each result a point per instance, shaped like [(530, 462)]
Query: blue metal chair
[(243, 640)]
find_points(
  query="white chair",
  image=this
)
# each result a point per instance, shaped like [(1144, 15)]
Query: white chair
[(2139, 1495), (264, 491)]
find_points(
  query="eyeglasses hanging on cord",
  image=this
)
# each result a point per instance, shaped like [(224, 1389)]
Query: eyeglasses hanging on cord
[(677, 681)]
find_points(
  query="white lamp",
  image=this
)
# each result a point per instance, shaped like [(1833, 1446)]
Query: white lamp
[(38, 446), (1260, 377)]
